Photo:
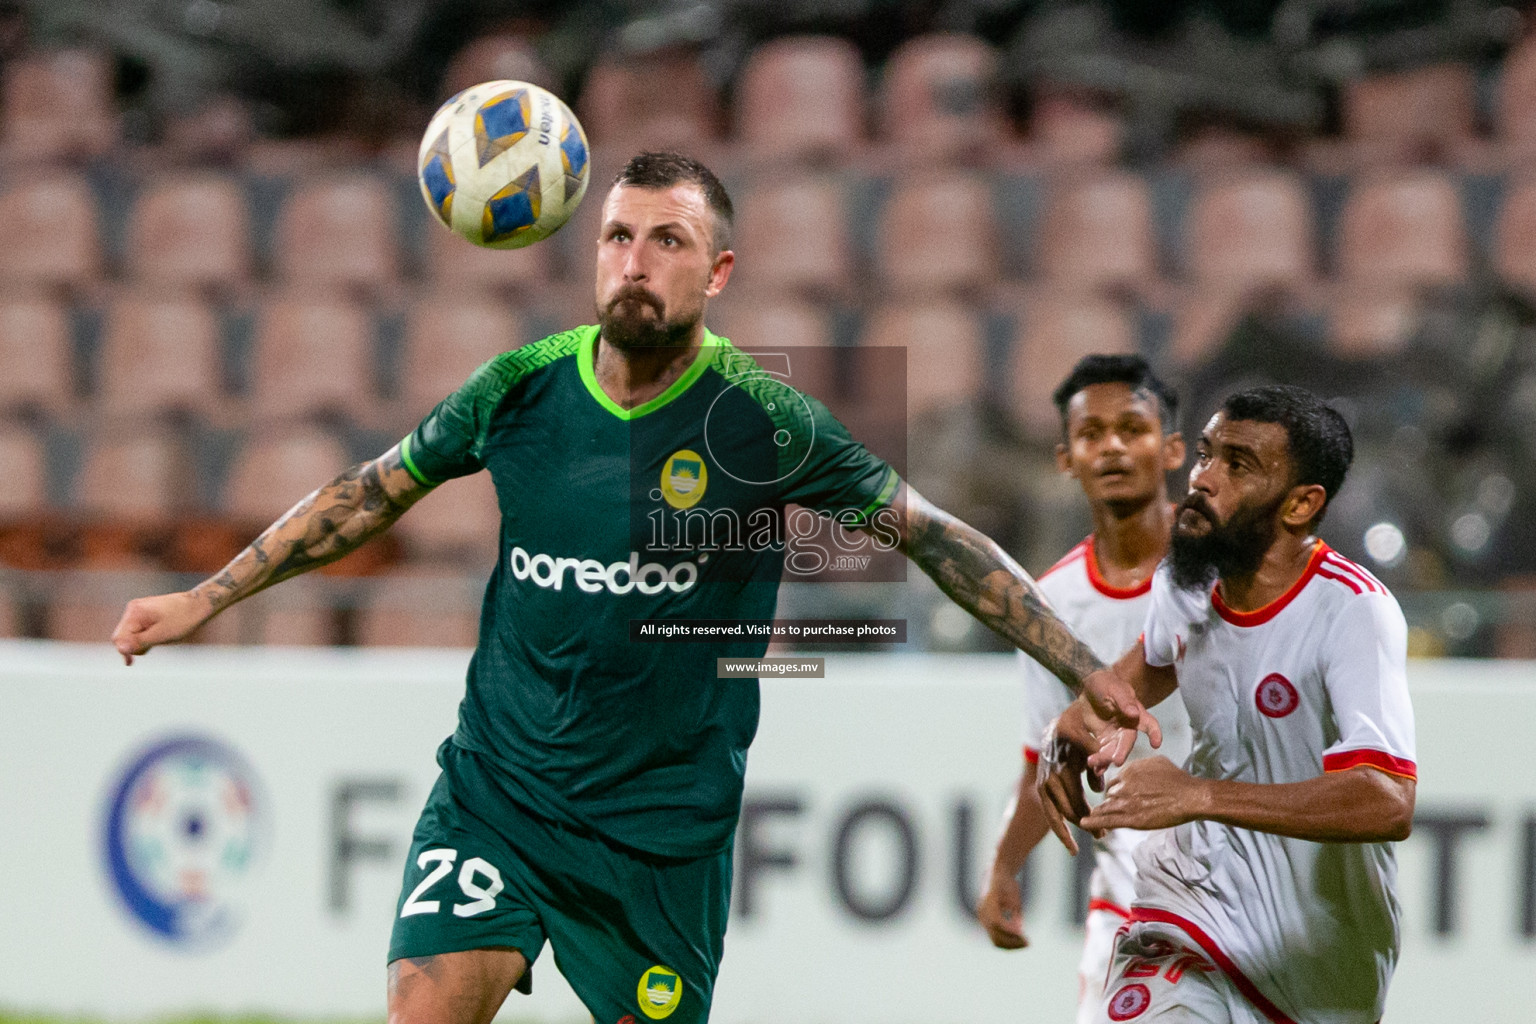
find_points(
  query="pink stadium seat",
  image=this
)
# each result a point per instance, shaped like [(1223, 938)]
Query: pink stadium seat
[(277, 468), (445, 340), (1070, 129), (24, 468), (37, 354), (657, 101), (943, 342), (1056, 329), (1514, 247), (1202, 322), (1371, 321), (49, 233), (801, 99), (938, 234), (454, 265), (1403, 228), (297, 614), (773, 224), (160, 353), (1517, 97), (459, 523), (338, 231), (1411, 114), (1251, 230), (191, 229), (138, 475), (493, 57), (58, 104), (421, 608), (764, 324), (313, 357), (940, 102), (84, 607), (1097, 232)]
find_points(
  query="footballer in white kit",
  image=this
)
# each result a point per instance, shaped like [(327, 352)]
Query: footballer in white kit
[(1108, 619), (1273, 896), (1119, 442)]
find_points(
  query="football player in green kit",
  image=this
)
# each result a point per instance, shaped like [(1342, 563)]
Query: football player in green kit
[(590, 793)]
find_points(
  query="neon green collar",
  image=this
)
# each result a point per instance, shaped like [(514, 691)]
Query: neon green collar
[(586, 361)]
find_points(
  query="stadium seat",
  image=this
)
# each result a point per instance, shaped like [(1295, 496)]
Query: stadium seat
[(191, 229), (37, 353), (160, 354), (24, 468), (339, 231), (1054, 329), (1409, 115), (1403, 228), (943, 340), (445, 339), (134, 473), (457, 266), (1069, 129), (658, 101), (1202, 321), (774, 222), (491, 58), (421, 608), (1251, 230), (49, 232), (1517, 98), (85, 607), (276, 468), (459, 524), (1368, 321), (940, 101), (1514, 243), (314, 356), (764, 323), (801, 99), (1097, 232), (58, 104), (938, 234), (299, 613)]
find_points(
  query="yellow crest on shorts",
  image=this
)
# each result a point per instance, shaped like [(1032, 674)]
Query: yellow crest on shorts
[(659, 992), (683, 479)]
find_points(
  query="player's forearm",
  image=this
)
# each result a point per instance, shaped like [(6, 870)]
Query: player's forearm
[(980, 577), (1024, 828), (326, 525), (1361, 805)]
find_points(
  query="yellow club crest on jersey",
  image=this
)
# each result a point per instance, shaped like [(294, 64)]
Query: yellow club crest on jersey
[(659, 992), (683, 479)]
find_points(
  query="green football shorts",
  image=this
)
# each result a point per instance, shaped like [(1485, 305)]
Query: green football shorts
[(637, 936)]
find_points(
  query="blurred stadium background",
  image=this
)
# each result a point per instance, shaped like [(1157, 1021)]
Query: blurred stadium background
[(219, 285), (217, 282)]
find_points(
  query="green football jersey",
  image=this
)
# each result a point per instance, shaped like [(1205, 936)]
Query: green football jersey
[(671, 510)]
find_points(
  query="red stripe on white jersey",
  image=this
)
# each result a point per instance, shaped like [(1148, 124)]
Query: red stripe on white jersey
[(1344, 760), (1106, 905), (1239, 979), (1338, 563), (1349, 581), (1067, 559)]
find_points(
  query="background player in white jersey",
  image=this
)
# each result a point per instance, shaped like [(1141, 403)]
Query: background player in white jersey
[(1274, 897), (1119, 442)]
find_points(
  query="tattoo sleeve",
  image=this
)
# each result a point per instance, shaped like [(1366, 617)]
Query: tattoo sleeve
[(980, 577), (334, 520)]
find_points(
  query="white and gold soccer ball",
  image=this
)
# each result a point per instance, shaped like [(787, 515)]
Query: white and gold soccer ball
[(503, 164)]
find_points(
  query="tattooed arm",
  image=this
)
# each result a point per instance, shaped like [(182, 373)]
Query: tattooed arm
[(980, 577), (334, 520)]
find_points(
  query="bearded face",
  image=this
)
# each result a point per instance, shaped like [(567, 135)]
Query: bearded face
[(1204, 549), (636, 317)]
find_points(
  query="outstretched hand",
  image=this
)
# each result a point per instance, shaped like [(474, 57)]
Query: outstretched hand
[(1079, 743), (150, 621), (1113, 700)]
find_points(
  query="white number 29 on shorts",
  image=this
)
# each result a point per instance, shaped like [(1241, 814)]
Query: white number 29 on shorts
[(483, 896)]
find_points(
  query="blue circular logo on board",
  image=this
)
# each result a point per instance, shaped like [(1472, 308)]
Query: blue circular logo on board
[(183, 831)]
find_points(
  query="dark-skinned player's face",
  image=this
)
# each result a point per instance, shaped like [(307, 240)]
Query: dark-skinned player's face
[(1115, 446), (1237, 490), (656, 265)]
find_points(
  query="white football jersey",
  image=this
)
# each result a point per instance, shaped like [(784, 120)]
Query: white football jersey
[(1315, 681), (1108, 619)]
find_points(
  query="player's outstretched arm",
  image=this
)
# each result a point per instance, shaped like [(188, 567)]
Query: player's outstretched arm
[(334, 520), (981, 578)]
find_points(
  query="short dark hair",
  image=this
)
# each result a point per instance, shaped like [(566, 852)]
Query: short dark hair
[(1102, 368), (663, 170), (1321, 446)]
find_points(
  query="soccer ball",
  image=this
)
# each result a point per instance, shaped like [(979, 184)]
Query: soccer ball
[(503, 164)]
